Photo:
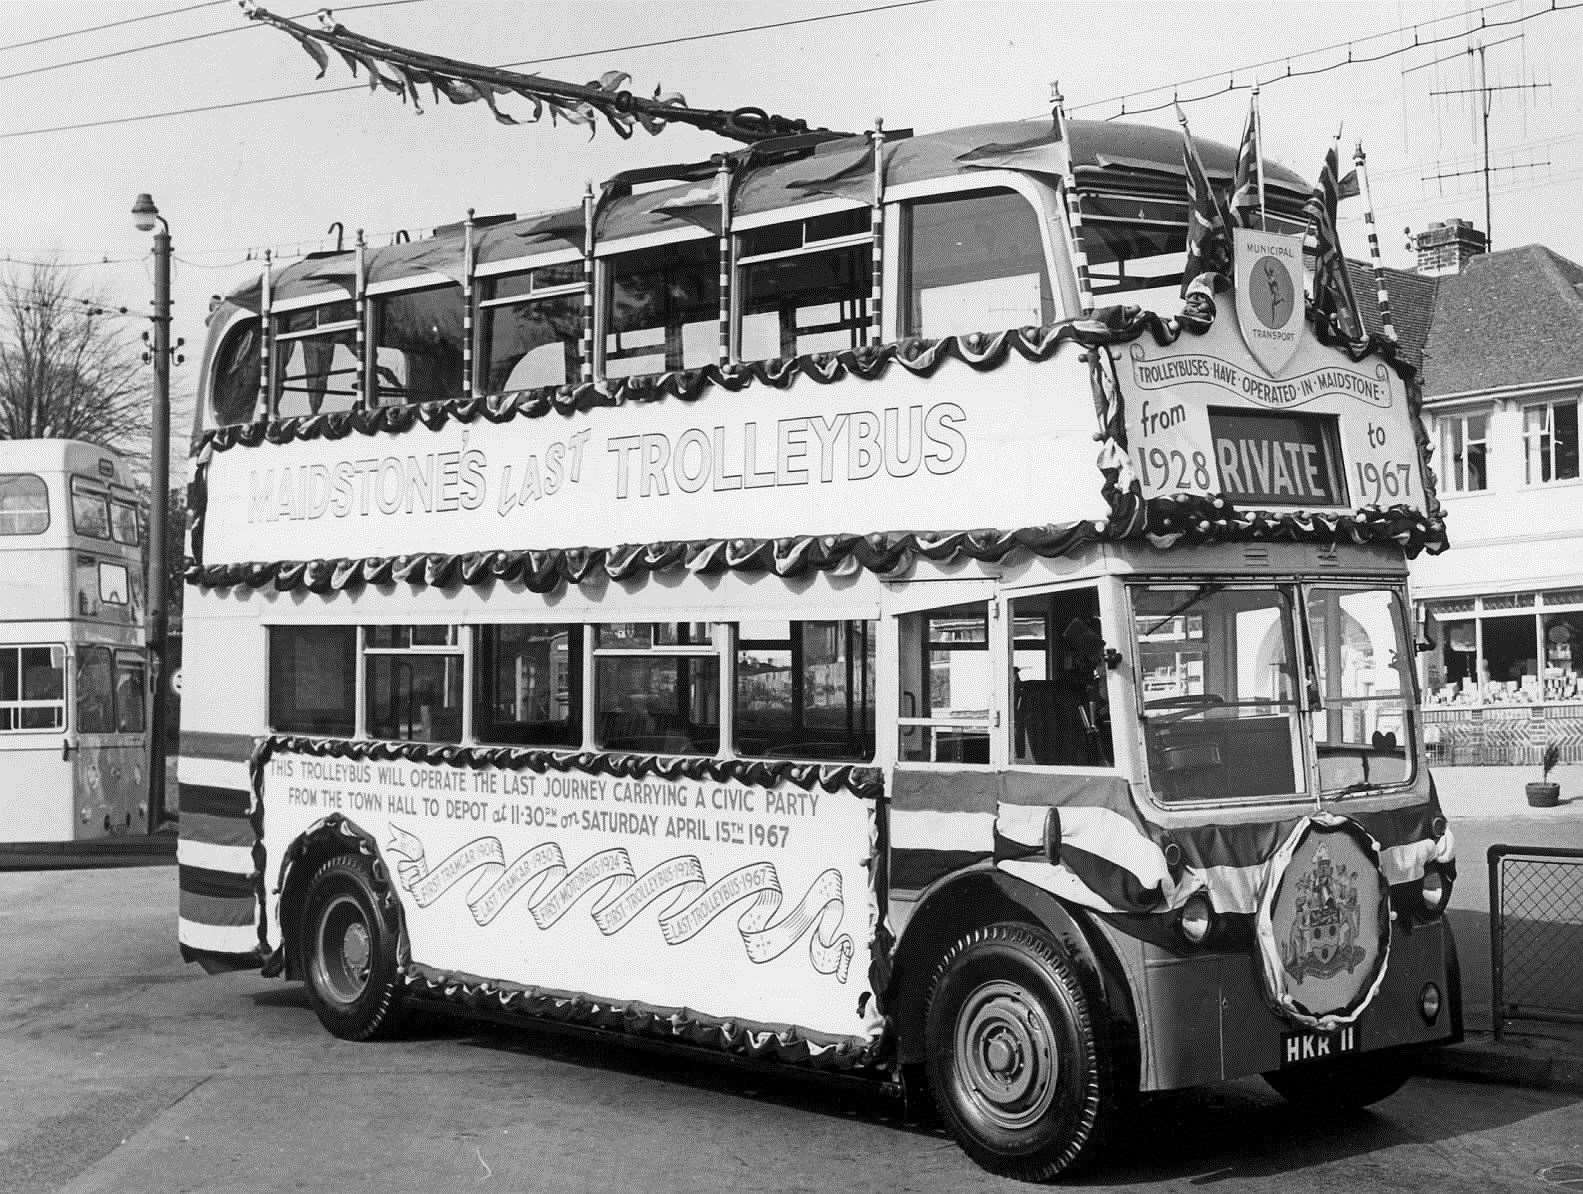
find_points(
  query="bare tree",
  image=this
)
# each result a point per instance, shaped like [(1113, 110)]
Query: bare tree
[(69, 365)]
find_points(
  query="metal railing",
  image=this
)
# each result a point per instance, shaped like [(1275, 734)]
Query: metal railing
[(1536, 933)]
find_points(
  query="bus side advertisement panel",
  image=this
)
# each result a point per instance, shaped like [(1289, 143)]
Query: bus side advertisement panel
[(730, 899)]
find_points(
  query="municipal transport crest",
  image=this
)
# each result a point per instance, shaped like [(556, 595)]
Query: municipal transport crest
[(1269, 292), (1324, 922)]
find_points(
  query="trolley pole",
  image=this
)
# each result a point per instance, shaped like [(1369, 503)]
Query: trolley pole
[(146, 217)]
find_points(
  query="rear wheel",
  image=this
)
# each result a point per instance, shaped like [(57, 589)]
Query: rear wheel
[(349, 934), (1015, 1062), (1344, 1083)]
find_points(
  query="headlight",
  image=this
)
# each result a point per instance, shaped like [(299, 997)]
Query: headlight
[(1432, 892), (1429, 1003), (1196, 919)]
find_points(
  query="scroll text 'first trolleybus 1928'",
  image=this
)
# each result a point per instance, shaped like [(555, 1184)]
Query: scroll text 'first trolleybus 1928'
[(685, 618)]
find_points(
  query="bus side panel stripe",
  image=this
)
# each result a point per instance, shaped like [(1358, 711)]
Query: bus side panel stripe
[(202, 829), (943, 792), (241, 939), (203, 744), (213, 773), (212, 910), (237, 859), (911, 870), (910, 829), (220, 885), (214, 802)]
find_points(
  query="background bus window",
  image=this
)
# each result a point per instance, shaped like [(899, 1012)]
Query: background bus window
[(1061, 710), (234, 385), (90, 509), (529, 685), (974, 263), (657, 688), (126, 524), (945, 685), (805, 286), (130, 689), (530, 327), (315, 364), (417, 343), (1363, 735), (663, 310), (95, 691), (32, 688), (412, 676), (24, 504), (313, 680), (1220, 692), (805, 690)]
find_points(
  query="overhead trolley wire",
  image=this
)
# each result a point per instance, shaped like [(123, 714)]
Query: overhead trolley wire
[(151, 16)]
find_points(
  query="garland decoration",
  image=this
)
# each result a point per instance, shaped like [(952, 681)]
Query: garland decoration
[(403, 71)]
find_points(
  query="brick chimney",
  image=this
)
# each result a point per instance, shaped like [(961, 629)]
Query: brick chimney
[(1448, 245)]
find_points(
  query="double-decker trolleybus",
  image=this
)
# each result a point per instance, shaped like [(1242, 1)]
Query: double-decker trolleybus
[(73, 693), (695, 614)]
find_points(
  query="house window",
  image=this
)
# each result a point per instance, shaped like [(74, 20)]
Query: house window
[(805, 285), (315, 367), (418, 346), (1464, 451), (974, 263), (1550, 441), (530, 327), (664, 310)]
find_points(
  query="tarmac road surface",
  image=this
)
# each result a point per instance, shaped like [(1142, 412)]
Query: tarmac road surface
[(127, 1071)]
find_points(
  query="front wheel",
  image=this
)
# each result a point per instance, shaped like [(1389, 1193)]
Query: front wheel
[(349, 934), (1015, 1061), (1344, 1083)]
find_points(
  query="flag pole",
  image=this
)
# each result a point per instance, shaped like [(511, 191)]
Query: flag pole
[(1258, 157), (586, 370), (1382, 293), (469, 379), (1074, 202), (723, 194), (876, 282)]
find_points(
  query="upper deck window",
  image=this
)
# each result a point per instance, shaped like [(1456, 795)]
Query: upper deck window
[(316, 365), (24, 504), (974, 263), (233, 387), (663, 309), (530, 326), (90, 509), (417, 343), (805, 285)]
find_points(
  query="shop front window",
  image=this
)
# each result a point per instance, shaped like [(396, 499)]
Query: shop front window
[(1563, 656)]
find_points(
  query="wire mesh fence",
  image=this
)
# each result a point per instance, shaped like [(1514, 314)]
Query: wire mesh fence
[(1536, 933)]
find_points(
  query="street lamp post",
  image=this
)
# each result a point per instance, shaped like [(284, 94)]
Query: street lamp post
[(146, 217)]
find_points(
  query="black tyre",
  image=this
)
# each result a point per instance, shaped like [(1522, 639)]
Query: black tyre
[(1344, 1083), (1016, 1065), (348, 942)]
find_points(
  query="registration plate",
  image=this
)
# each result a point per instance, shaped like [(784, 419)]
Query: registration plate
[(1299, 1048)]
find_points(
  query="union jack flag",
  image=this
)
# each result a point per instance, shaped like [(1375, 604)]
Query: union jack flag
[(1208, 222), (1332, 295), (1247, 189)]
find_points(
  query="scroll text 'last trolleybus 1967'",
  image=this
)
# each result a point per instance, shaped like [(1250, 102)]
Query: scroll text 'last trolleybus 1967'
[(698, 625)]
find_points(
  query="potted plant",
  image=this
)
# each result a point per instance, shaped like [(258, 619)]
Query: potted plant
[(1545, 794)]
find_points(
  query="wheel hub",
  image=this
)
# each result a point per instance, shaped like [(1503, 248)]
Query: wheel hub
[(1005, 1055), (346, 950)]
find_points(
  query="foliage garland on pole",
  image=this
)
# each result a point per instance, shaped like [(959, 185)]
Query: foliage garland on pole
[(402, 71)]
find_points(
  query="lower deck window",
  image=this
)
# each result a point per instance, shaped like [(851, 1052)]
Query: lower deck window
[(945, 685), (313, 680), (528, 684), (412, 677), (805, 690), (32, 688), (657, 688), (1062, 713)]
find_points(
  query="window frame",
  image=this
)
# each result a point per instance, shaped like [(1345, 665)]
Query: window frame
[(293, 306), (1535, 451), (859, 639), (375, 295), (1455, 464), (458, 647), (721, 647), (83, 486), (607, 257), (48, 511), (801, 216), (60, 704), (355, 729), (491, 275), (1105, 589)]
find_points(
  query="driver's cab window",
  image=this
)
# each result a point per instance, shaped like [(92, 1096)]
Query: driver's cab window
[(1061, 713), (945, 685)]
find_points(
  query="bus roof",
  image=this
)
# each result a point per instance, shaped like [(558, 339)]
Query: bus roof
[(1134, 162), (63, 455)]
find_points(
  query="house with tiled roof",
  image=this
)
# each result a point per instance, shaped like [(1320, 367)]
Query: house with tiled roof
[(1498, 339)]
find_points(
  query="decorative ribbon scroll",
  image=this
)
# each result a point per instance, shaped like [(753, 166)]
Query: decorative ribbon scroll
[(553, 888)]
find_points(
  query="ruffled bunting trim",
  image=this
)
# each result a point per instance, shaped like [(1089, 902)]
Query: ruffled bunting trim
[(746, 1037), (1190, 519), (982, 351), (867, 783), (546, 570)]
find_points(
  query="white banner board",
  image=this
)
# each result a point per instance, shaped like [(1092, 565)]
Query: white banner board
[(730, 899), (1011, 447)]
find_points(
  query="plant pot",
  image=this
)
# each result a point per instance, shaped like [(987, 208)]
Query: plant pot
[(1544, 795)]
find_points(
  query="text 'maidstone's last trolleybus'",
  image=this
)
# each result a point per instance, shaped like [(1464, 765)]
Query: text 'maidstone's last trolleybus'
[(715, 633), (73, 689)]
